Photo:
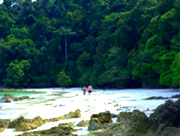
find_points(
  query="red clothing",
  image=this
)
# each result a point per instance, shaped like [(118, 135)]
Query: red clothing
[(90, 88)]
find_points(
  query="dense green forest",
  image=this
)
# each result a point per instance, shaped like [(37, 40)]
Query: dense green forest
[(105, 43)]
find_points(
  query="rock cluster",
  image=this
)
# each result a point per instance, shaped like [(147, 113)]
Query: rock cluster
[(64, 129), (22, 124), (161, 98), (167, 114), (4, 123), (83, 123), (165, 121), (176, 96), (76, 114), (99, 120), (156, 98), (9, 98)]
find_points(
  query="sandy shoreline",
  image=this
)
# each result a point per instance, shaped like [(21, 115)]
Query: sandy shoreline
[(57, 102)]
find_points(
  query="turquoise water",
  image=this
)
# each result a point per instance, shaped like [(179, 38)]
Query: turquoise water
[(18, 93)]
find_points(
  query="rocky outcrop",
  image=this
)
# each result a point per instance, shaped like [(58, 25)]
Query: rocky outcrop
[(55, 119), (98, 120), (94, 124), (131, 123), (128, 124), (64, 129), (76, 114), (167, 114), (9, 98), (4, 123), (161, 98), (156, 98), (176, 96), (22, 124), (165, 121), (83, 123)]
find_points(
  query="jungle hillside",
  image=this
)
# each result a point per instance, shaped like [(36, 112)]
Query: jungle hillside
[(103, 43)]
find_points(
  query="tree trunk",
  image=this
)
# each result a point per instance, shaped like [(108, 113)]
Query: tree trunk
[(66, 44)]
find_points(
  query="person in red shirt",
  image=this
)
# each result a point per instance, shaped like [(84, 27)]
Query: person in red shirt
[(90, 89)]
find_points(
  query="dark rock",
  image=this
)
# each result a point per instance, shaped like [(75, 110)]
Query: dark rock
[(169, 131), (165, 121), (167, 114), (156, 98), (176, 96), (98, 120), (6, 101)]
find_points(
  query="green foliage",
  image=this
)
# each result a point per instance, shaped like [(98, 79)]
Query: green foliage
[(105, 43), (16, 73), (175, 68), (6, 22), (63, 79)]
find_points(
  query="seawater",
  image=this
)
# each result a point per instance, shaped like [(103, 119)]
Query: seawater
[(19, 93)]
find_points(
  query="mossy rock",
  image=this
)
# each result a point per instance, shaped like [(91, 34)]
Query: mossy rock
[(22, 124), (103, 117), (83, 123), (124, 116), (2, 129), (95, 124), (63, 129), (4, 123), (55, 119), (9, 98), (76, 114)]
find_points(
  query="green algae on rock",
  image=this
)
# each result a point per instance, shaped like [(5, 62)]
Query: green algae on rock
[(4, 123), (63, 129), (22, 124)]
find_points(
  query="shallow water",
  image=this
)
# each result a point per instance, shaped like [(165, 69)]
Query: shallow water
[(55, 102), (19, 93)]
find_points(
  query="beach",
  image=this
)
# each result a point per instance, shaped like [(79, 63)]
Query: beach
[(55, 102)]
